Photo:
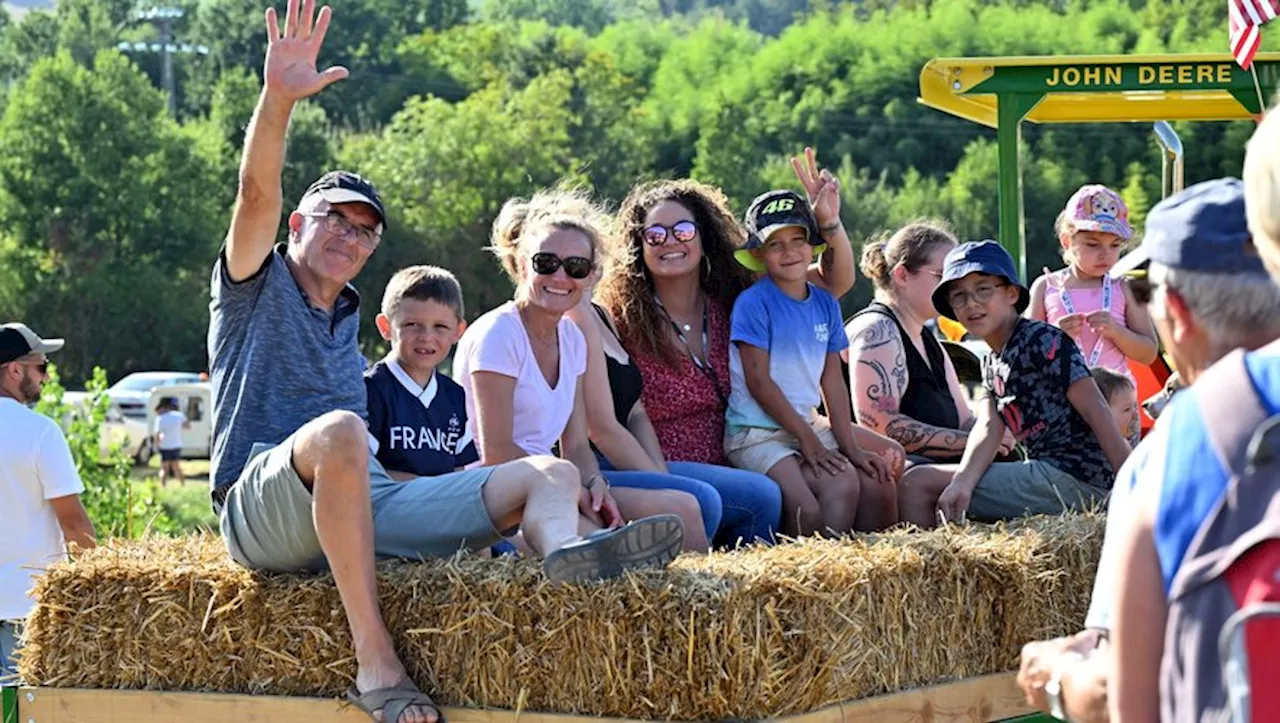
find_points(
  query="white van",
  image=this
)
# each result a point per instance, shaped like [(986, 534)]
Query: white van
[(195, 401)]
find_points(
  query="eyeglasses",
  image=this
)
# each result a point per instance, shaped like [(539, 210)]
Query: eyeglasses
[(577, 267), (657, 234), (338, 225), (980, 295)]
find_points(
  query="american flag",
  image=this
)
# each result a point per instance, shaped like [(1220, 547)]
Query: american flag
[(1245, 17)]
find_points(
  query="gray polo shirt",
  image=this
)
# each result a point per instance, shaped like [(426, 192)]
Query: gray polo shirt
[(275, 361)]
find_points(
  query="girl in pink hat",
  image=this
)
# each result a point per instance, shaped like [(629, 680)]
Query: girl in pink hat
[(1083, 299)]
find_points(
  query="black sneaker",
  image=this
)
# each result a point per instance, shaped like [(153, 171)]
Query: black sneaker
[(649, 542)]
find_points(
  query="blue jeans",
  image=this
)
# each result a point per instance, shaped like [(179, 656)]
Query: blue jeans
[(752, 502), (8, 646), (708, 498)]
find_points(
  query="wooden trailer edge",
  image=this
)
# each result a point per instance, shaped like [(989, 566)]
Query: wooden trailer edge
[(973, 700)]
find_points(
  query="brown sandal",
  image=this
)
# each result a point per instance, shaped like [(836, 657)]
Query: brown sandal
[(393, 701)]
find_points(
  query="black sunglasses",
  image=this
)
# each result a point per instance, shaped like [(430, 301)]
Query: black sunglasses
[(657, 234), (577, 267), (1143, 290), (42, 366)]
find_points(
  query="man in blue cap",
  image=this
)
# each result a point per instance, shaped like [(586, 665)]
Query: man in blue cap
[(1218, 486), (1208, 294)]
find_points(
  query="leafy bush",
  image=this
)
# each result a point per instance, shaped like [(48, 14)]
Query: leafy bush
[(117, 507)]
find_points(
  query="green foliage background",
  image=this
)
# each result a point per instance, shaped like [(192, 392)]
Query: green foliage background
[(111, 212), (118, 506)]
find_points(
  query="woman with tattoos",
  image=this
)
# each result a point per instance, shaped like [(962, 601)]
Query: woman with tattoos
[(903, 384)]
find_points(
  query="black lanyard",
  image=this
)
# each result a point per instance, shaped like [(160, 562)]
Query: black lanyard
[(703, 366)]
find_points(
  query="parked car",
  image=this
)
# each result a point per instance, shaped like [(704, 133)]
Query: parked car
[(130, 421), (133, 392)]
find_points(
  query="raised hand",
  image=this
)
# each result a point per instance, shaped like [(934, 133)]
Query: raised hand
[(822, 188), (290, 70)]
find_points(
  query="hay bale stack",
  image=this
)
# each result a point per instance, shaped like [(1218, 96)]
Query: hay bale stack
[(750, 634)]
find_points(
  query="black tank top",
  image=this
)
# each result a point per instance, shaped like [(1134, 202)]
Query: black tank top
[(927, 398), (625, 382)]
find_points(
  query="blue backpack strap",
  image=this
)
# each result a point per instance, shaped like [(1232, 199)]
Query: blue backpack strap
[(1233, 413)]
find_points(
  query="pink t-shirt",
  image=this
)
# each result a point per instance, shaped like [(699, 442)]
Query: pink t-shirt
[(497, 342), (1085, 301)]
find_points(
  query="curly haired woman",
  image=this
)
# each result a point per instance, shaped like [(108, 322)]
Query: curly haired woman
[(671, 299)]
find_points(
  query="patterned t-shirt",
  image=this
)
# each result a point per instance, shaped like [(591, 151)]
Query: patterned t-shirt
[(1029, 380), (682, 402)]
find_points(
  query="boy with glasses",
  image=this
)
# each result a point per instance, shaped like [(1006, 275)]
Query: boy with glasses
[(1038, 387)]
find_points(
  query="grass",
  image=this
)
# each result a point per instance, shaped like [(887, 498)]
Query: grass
[(186, 504)]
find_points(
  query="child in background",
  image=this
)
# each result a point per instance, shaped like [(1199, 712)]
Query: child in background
[(417, 417), (1122, 396), (1037, 387), (168, 439), (1099, 313), (787, 335)]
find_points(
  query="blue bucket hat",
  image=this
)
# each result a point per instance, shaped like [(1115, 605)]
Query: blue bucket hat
[(977, 257)]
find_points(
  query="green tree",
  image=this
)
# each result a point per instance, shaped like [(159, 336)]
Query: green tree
[(115, 505), (113, 220), (446, 169), (365, 37), (1135, 194)]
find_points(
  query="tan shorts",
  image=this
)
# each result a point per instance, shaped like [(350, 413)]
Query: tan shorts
[(758, 449), (267, 521)]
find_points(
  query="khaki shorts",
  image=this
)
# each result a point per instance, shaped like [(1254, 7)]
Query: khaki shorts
[(267, 522), (758, 449)]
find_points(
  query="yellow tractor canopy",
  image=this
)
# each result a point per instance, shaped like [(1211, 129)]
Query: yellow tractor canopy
[(1001, 93)]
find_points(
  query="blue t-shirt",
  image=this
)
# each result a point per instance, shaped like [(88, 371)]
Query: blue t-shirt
[(798, 336), (276, 361), (416, 430), (1192, 478)]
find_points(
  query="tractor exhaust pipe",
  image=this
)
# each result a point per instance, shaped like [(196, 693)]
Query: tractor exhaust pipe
[(1171, 160), (1171, 181)]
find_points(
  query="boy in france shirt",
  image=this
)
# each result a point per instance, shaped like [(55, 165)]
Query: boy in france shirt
[(417, 416)]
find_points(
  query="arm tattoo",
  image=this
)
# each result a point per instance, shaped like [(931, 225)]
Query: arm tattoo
[(881, 392), (885, 394), (876, 335), (925, 439)]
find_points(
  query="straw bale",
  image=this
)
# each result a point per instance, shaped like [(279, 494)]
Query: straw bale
[(743, 635)]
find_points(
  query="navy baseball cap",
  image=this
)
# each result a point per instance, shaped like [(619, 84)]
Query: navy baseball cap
[(1204, 229), (347, 187), (977, 257), (770, 212)]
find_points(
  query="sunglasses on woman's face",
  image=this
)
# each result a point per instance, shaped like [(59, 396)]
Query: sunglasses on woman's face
[(657, 234), (577, 267)]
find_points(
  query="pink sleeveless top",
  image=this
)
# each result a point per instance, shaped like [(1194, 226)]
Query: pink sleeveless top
[(1085, 301)]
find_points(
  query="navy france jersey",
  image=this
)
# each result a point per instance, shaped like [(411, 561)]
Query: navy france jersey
[(415, 430)]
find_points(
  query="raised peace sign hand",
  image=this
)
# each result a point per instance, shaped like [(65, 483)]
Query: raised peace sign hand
[(823, 189), (290, 69)]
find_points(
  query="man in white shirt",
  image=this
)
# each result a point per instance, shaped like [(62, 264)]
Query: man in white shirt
[(39, 486)]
